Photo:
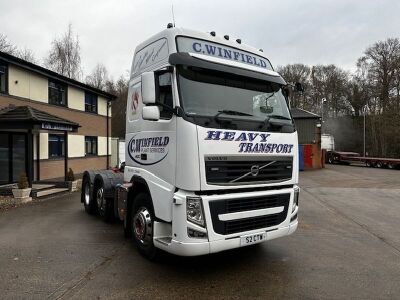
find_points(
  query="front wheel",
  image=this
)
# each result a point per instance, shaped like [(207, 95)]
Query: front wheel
[(142, 222)]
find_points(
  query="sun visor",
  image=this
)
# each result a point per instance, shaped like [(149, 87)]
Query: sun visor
[(186, 59)]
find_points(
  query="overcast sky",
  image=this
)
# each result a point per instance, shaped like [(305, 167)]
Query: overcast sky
[(289, 31)]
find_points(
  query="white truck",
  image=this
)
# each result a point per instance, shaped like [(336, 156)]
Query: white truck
[(211, 149)]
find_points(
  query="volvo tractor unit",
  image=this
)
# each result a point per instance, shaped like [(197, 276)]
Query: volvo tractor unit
[(211, 155)]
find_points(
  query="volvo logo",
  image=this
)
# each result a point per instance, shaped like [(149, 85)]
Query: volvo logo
[(254, 170)]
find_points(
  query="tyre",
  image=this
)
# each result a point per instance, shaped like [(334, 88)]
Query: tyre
[(378, 165), (88, 201), (330, 159), (391, 166), (369, 164), (104, 206), (142, 221)]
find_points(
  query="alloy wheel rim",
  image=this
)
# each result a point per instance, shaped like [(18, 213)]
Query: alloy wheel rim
[(142, 226), (100, 198)]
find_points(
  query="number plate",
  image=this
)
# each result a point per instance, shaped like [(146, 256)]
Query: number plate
[(253, 239)]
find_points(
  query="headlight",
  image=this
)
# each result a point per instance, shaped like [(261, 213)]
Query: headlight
[(295, 198), (194, 210)]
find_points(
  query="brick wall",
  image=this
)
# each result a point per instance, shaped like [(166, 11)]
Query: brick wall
[(91, 124), (54, 168)]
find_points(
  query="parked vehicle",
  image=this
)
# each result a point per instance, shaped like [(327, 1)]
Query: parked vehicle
[(338, 157), (211, 158)]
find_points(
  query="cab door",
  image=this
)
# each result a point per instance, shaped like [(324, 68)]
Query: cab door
[(151, 145)]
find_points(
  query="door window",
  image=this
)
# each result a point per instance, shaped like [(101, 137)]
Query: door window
[(18, 155), (164, 81)]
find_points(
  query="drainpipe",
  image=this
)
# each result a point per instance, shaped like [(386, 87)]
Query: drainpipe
[(108, 118)]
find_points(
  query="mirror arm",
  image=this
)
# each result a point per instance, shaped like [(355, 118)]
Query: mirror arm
[(177, 110)]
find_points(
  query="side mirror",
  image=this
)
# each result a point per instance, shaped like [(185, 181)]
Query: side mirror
[(299, 87), (151, 113), (148, 88)]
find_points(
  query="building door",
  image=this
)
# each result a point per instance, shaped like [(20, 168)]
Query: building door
[(13, 156), (18, 156), (4, 158), (308, 156)]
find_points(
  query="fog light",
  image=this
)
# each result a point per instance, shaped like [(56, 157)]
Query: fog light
[(196, 234), (194, 210)]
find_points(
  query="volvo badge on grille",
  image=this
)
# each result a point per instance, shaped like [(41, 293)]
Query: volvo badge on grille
[(254, 170)]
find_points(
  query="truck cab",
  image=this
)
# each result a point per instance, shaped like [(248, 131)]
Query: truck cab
[(211, 147)]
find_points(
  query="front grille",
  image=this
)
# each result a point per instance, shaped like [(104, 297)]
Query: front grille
[(245, 204), (234, 172)]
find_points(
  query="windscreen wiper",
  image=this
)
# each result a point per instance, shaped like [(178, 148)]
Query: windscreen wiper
[(267, 120), (230, 112), (278, 117)]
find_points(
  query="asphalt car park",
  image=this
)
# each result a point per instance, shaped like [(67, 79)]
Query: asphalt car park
[(347, 246)]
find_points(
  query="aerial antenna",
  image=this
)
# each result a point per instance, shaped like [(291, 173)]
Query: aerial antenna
[(173, 15)]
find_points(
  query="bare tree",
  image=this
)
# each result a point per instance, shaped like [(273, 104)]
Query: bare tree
[(99, 77), (6, 46), (120, 89), (26, 54), (64, 56), (381, 66), (380, 69), (297, 73), (330, 82)]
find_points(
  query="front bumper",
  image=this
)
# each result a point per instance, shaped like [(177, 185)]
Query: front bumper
[(181, 244), (202, 248)]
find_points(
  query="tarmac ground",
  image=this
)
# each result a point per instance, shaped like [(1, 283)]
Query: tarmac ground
[(347, 246)]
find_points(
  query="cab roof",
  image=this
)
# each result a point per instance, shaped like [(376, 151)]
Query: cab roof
[(171, 33)]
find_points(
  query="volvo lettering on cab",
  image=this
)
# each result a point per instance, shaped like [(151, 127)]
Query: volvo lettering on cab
[(211, 149)]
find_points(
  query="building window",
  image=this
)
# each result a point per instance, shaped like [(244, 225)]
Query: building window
[(57, 93), (3, 78), (90, 102), (90, 145), (56, 146)]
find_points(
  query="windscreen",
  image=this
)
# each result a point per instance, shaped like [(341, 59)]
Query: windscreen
[(206, 93)]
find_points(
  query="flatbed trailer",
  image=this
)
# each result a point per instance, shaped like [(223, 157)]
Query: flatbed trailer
[(340, 157)]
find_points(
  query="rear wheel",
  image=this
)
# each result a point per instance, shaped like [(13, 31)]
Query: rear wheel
[(104, 205), (88, 201), (142, 221), (379, 164)]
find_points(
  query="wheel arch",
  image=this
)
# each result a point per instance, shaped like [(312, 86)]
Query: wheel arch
[(139, 185)]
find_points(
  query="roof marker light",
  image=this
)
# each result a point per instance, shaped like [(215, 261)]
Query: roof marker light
[(170, 25), (261, 50), (212, 33), (226, 37), (239, 41)]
